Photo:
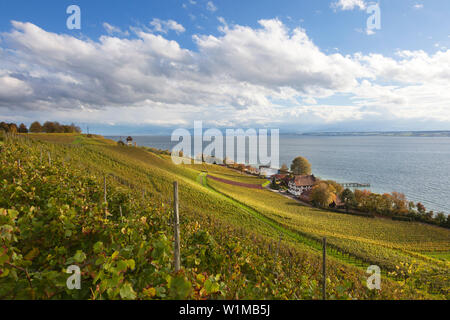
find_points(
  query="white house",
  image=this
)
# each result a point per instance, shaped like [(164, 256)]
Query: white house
[(267, 171), (130, 141), (300, 184)]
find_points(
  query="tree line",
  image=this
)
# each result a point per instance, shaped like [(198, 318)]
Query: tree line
[(36, 127)]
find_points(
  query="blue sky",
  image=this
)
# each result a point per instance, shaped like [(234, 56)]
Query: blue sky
[(403, 25), (218, 61)]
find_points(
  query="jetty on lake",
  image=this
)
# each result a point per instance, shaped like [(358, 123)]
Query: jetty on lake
[(355, 185)]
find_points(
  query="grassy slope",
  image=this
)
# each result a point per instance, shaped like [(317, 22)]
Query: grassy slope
[(153, 175)]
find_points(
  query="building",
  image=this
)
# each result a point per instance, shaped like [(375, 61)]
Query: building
[(299, 184), (252, 170), (267, 171), (130, 141), (281, 178)]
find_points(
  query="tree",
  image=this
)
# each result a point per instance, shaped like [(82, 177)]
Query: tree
[(323, 194), (274, 185), (36, 127), (348, 197), (421, 208), (13, 128), (301, 166), (440, 218), (75, 129), (400, 203), (335, 185), (50, 127), (284, 168), (23, 128)]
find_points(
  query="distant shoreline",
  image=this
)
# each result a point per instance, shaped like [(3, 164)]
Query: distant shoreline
[(442, 133), (379, 134)]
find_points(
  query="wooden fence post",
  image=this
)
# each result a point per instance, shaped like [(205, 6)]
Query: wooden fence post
[(104, 200), (324, 269), (104, 188), (278, 246), (176, 227)]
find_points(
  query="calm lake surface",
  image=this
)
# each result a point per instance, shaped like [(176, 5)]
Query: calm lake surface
[(419, 167)]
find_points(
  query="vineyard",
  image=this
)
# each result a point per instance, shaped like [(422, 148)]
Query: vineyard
[(68, 199)]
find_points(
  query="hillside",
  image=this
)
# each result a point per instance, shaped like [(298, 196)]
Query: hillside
[(236, 242)]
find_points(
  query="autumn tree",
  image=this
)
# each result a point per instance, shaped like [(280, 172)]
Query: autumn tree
[(13, 128), (301, 166), (421, 208), (400, 203), (23, 128), (323, 194), (51, 127), (4, 127), (36, 127), (284, 168), (339, 188)]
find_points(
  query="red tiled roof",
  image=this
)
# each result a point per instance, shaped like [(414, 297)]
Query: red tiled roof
[(304, 181)]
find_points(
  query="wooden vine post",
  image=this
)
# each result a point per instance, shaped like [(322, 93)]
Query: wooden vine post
[(105, 199), (324, 269), (176, 227)]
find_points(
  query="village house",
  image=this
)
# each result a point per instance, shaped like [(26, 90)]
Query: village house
[(267, 171), (300, 184)]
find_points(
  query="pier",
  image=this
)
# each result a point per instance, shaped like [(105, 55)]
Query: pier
[(355, 185)]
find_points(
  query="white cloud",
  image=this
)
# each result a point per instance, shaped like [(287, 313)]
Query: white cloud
[(273, 57), (349, 4), (12, 88), (264, 75), (418, 6), (163, 26), (210, 6), (110, 29), (370, 32)]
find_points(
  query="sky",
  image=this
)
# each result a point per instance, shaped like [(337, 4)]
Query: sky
[(301, 66)]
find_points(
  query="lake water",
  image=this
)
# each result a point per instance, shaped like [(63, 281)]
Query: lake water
[(419, 167)]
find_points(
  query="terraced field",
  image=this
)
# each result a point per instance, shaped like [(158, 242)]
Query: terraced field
[(380, 241), (228, 233)]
